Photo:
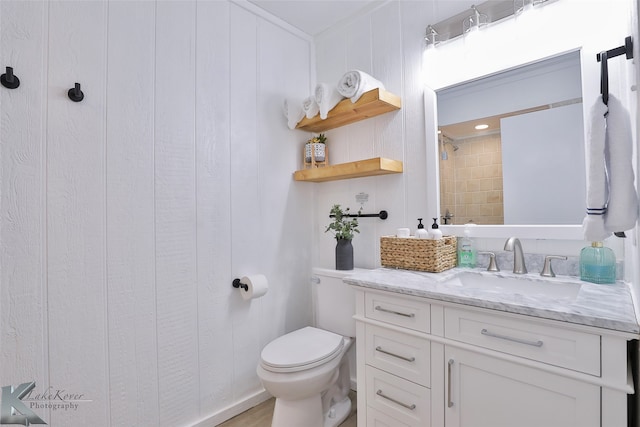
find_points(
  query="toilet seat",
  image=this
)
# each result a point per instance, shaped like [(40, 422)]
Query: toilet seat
[(299, 350)]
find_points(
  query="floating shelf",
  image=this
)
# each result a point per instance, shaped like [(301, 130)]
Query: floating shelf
[(358, 169), (370, 104)]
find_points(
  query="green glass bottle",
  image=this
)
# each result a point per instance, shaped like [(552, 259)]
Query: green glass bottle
[(597, 264), (466, 251)]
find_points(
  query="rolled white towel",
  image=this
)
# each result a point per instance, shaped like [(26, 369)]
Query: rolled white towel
[(292, 109), (327, 97), (622, 209), (597, 184), (355, 82), (310, 107)]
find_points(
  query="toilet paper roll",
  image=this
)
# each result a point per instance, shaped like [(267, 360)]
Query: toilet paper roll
[(257, 286)]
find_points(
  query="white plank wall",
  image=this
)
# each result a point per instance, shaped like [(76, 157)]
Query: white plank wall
[(175, 216), (125, 217), (213, 194), (386, 42), (23, 293), (75, 210), (131, 304)]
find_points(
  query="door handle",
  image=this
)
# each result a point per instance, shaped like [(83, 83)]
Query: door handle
[(449, 369)]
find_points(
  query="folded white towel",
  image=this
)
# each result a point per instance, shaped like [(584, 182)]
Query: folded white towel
[(310, 106), (292, 109), (597, 185), (355, 82), (327, 97), (622, 209)]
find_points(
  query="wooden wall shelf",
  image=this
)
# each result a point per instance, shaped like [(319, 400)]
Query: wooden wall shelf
[(358, 169), (370, 104)]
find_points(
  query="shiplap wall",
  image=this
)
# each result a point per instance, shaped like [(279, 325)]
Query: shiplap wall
[(386, 42), (125, 217)]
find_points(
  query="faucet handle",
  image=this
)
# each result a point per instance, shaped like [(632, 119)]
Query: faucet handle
[(547, 271), (493, 266)]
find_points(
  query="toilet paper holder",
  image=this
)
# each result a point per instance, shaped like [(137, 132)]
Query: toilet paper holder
[(237, 284)]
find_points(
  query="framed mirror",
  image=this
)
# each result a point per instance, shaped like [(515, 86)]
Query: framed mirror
[(507, 57), (512, 144)]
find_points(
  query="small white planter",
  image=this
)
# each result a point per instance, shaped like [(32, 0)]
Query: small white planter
[(315, 149)]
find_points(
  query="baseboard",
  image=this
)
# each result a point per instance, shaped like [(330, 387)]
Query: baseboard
[(233, 410)]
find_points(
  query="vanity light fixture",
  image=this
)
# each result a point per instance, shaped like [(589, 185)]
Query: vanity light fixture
[(431, 36), (474, 21), (482, 127), (485, 13), (520, 6)]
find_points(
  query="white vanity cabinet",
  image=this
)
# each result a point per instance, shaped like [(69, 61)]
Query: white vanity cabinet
[(424, 362)]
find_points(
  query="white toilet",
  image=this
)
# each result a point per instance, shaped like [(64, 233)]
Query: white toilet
[(307, 370)]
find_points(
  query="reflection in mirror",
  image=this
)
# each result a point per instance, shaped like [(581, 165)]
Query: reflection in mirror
[(512, 147)]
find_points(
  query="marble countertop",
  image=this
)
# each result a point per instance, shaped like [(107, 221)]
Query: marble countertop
[(603, 306)]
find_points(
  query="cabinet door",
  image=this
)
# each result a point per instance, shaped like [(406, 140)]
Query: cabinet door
[(486, 392)]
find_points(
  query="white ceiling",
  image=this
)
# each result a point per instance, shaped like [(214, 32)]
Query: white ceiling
[(313, 16)]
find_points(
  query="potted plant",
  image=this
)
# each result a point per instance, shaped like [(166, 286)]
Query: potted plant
[(343, 228), (315, 145)]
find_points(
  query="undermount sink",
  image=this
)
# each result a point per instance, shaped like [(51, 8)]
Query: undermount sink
[(525, 286)]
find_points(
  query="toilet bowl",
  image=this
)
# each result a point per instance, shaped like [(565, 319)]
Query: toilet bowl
[(307, 370), (301, 370)]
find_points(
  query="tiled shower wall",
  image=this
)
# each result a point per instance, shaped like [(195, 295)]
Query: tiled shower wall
[(471, 180)]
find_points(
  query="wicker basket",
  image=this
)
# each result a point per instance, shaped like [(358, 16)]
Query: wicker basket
[(418, 254)]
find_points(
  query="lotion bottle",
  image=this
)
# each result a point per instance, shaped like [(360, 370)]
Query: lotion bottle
[(421, 233), (435, 233)]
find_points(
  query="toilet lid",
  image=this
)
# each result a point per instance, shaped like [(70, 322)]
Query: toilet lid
[(302, 349)]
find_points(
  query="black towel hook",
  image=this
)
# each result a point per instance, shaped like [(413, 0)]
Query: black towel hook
[(604, 78), (604, 56), (9, 80), (75, 94)]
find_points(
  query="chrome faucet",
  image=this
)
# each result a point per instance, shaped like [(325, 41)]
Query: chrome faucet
[(513, 244)]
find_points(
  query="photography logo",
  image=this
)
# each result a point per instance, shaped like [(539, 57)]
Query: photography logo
[(13, 410)]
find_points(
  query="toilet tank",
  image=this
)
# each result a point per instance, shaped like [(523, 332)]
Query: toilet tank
[(334, 301)]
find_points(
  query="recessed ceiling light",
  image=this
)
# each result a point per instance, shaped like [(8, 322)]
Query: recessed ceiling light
[(482, 127)]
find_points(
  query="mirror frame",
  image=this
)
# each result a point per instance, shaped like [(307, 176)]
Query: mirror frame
[(478, 57)]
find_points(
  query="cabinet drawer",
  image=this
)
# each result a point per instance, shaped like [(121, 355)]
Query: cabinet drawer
[(398, 311), (400, 354), (376, 418), (408, 402), (574, 350)]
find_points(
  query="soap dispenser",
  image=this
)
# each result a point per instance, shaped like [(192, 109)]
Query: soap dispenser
[(435, 232), (421, 233), (466, 250), (597, 264)]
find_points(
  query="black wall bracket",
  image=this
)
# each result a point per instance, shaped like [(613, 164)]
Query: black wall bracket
[(9, 80), (382, 215), (237, 284), (75, 94)]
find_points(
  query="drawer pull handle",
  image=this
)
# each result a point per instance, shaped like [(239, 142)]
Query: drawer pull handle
[(449, 366), (408, 359), (381, 394), (399, 313), (518, 340)]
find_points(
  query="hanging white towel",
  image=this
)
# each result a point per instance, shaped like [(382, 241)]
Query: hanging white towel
[(292, 109), (597, 184), (310, 107), (622, 209), (327, 97), (355, 82)]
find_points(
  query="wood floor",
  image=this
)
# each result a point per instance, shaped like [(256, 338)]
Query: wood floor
[(260, 416)]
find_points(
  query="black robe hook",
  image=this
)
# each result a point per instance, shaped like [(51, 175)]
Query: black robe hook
[(75, 94), (8, 80)]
